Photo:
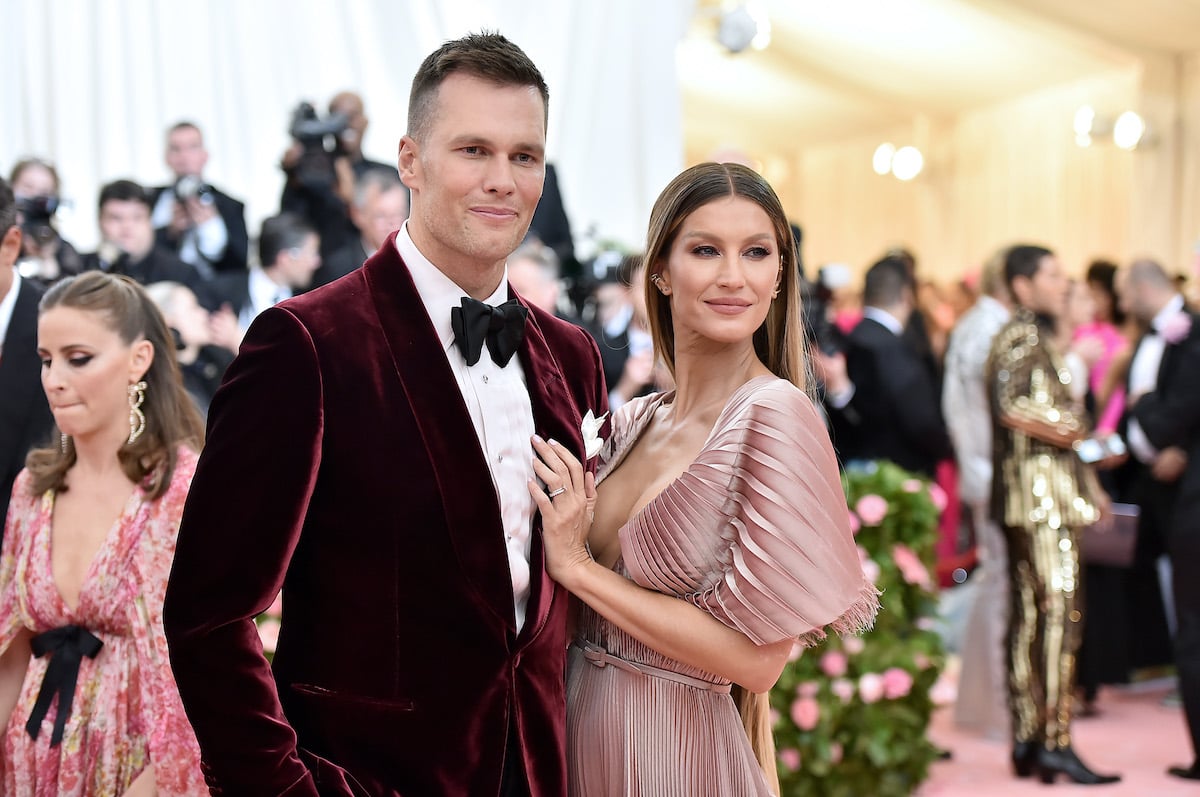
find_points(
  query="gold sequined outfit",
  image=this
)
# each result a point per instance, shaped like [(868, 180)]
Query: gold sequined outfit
[(1041, 495)]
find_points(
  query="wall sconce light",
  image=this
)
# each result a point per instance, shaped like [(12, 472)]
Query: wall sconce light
[(1128, 130), (904, 163)]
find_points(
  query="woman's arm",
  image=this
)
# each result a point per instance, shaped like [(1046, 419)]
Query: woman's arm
[(143, 785), (671, 626), (13, 665)]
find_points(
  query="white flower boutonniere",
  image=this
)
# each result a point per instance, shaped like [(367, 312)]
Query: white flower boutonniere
[(592, 441), (1176, 328)]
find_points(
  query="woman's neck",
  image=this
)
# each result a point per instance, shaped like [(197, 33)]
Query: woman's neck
[(705, 378), (96, 454)]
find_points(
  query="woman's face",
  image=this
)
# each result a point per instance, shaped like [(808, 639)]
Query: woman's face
[(1081, 308), (722, 271), (1102, 301), (87, 370), (34, 180)]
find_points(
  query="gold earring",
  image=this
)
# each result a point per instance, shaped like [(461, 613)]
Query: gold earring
[(64, 441), (137, 418)]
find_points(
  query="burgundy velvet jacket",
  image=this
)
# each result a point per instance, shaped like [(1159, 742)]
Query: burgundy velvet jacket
[(342, 466)]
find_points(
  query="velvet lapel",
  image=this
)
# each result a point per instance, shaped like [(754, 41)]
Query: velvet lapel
[(18, 389), (555, 417), (472, 518)]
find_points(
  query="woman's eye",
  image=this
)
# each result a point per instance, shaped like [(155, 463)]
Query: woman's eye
[(705, 251), (80, 360), (758, 252)]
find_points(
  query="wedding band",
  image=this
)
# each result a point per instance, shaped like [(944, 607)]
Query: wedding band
[(559, 491)]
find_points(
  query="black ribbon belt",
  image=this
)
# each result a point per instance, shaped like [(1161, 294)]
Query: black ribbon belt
[(66, 646)]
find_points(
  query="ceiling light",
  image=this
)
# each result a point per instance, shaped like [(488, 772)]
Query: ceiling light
[(907, 163), (1085, 118), (744, 25), (1128, 130), (882, 159)]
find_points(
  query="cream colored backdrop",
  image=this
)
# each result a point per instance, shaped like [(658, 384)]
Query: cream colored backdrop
[(1013, 172)]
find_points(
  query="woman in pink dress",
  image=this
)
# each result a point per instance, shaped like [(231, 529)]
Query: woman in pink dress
[(715, 535), (87, 698)]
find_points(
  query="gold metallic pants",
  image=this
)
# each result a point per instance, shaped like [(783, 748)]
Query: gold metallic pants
[(1044, 632)]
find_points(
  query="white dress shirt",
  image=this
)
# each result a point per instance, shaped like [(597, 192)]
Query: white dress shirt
[(264, 293), (965, 402), (6, 307), (1143, 376), (501, 413), (201, 245)]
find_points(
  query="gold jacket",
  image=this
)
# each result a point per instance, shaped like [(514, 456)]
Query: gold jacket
[(1036, 481)]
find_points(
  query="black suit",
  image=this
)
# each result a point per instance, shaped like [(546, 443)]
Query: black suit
[(311, 195), (160, 265), (25, 419), (1170, 416), (232, 289), (895, 413), (340, 263), (233, 213)]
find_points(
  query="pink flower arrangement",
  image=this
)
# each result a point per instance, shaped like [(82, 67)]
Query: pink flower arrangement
[(1177, 328), (842, 689), (833, 663), (897, 683), (871, 509), (870, 567), (855, 523), (853, 645), (912, 486), (870, 687), (808, 689), (911, 567), (790, 758), (806, 713), (938, 496), (268, 632), (835, 753)]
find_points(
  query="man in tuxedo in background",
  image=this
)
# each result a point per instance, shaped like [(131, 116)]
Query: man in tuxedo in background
[(1163, 433), (202, 225), (128, 246), (370, 457), (380, 206), (25, 419), (886, 405), (289, 254)]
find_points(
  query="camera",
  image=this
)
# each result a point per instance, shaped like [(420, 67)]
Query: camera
[(315, 165), (191, 187), (36, 213)]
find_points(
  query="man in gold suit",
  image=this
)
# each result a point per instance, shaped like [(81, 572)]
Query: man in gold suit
[(1042, 496)]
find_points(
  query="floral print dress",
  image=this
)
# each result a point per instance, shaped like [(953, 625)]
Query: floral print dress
[(126, 713)]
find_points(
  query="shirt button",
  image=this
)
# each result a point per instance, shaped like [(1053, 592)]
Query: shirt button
[(500, 458), (484, 378)]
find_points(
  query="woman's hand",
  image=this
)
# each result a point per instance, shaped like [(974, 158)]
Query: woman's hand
[(567, 506)]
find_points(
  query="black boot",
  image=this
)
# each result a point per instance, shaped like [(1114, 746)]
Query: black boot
[(1050, 763), (1024, 758)]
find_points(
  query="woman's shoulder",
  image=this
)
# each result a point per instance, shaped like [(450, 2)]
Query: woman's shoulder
[(768, 400)]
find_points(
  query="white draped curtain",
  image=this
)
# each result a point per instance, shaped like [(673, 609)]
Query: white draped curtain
[(92, 85)]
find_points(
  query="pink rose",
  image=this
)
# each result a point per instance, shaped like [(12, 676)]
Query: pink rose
[(853, 645), (1176, 328), (835, 753), (789, 757), (869, 566), (808, 689), (855, 523), (911, 567), (870, 687), (775, 717), (833, 663), (897, 683), (871, 509), (842, 689), (806, 713), (912, 486), (938, 496), (922, 661)]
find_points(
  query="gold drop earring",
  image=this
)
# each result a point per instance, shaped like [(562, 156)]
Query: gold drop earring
[(137, 418)]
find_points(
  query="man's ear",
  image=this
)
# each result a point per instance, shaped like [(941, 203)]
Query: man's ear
[(10, 246), (408, 162)]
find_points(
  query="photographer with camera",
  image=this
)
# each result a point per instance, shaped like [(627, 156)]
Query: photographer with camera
[(203, 226), (323, 164), (45, 257)]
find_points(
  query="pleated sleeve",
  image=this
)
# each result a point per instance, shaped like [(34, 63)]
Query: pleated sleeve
[(787, 565)]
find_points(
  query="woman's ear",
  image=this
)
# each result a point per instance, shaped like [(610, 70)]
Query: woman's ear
[(141, 355)]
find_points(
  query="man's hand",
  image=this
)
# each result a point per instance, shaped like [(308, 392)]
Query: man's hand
[(1169, 464), (199, 211), (831, 370), (224, 328)]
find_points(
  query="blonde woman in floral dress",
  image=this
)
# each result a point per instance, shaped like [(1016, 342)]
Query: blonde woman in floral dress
[(87, 698), (720, 534)]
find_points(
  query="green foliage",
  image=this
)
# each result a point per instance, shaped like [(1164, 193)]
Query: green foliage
[(852, 713)]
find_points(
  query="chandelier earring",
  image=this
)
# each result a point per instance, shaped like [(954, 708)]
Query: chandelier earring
[(658, 283), (137, 418)]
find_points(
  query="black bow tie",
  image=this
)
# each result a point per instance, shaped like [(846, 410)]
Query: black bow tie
[(502, 327)]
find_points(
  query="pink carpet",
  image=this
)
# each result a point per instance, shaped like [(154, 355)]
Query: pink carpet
[(1134, 735)]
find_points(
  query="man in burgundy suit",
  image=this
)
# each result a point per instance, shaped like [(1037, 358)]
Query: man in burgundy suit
[(367, 456)]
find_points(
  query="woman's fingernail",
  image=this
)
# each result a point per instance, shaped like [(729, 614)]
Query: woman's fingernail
[(553, 442)]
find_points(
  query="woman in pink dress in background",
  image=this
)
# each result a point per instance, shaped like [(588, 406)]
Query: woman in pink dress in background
[(720, 536), (87, 698)]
